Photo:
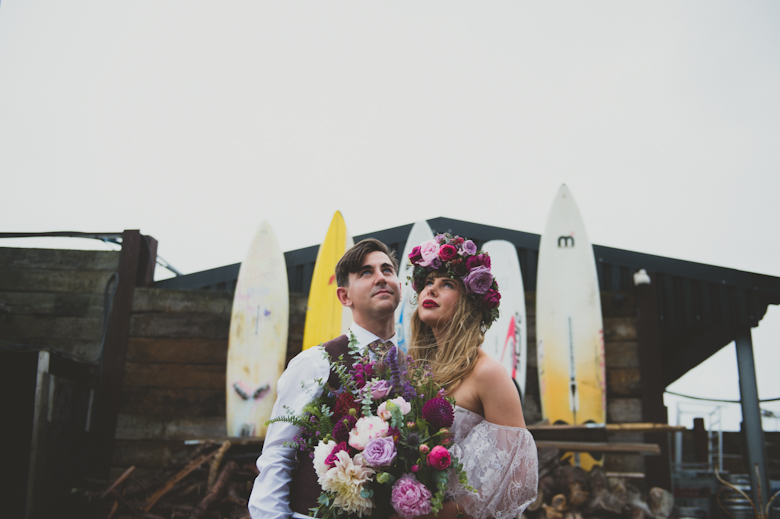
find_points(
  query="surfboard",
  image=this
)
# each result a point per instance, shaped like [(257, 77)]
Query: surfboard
[(569, 331), (506, 339), (257, 345), (326, 319), (420, 232)]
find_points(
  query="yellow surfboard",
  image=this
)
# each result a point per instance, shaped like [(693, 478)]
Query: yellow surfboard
[(569, 333), (326, 319)]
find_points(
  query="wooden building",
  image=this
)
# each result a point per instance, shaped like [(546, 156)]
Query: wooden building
[(115, 369)]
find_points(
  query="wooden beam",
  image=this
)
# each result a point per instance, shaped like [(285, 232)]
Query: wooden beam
[(632, 448), (612, 427), (109, 385), (651, 381)]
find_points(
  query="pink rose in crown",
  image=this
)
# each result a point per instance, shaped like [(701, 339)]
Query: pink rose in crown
[(491, 299), (429, 251), (439, 458), (447, 252)]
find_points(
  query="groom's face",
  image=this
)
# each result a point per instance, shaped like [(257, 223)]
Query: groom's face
[(374, 290)]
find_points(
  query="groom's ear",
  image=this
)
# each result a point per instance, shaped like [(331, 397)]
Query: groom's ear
[(341, 293)]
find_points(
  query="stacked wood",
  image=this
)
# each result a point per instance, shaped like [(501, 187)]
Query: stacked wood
[(206, 485), (568, 492)]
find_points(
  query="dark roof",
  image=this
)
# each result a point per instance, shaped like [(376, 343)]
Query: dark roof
[(700, 306)]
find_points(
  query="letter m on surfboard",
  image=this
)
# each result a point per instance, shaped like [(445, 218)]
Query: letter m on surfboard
[(565, 241)]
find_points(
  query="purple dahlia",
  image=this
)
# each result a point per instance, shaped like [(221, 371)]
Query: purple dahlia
[(438, 413)]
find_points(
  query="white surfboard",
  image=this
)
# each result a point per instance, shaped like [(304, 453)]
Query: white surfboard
[(257, 344), (506, 340), (420, 232), (569, 331)]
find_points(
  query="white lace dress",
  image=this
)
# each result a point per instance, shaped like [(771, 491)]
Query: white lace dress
[(501, 465)]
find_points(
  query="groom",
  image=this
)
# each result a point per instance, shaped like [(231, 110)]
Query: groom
[(367, 279)]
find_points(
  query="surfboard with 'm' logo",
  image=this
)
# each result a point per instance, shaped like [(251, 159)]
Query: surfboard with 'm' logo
[(326, 319), (257, 345), (569, 330)]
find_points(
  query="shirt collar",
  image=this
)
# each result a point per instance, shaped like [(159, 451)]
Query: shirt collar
[(364, 337)]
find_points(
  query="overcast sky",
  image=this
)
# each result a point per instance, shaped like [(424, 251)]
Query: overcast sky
[(195, 121)]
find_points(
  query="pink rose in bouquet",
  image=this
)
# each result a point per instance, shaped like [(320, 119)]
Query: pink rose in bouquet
[(410, 498), (439, 458), (366, 429)]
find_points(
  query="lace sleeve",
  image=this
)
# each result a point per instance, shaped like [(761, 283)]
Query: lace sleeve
[(502, 466)]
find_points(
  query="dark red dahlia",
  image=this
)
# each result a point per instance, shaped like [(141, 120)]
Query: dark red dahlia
[(342, 428), (344, 403), (438, 413)]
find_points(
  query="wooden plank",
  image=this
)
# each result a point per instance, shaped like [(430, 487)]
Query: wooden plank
[(625, 462), (146, 427), (619, 329), (633, 448), (640, 427), (623, 410), (57, 259), (21, 328), (204, 376), (183, 351), (72, 282), (621, 354), (57, 304), (200, 326), (623, 382), (162, 300), (175, 402)]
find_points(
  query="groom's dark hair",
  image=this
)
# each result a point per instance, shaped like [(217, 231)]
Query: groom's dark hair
[(352, 260)]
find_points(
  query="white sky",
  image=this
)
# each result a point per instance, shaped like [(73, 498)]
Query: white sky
[(195, 121)]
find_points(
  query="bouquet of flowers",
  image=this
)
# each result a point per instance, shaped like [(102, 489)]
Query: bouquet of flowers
[(379, 441)]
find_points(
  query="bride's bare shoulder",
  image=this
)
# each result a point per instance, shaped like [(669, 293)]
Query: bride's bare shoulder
[(497, 392)]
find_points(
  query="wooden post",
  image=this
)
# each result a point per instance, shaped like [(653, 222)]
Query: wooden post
[(700, 441), (134, 268), (651, 381)]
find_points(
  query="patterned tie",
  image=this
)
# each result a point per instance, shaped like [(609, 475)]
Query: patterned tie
[(380, 348)]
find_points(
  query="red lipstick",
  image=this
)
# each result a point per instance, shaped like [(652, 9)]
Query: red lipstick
[(430, 303)]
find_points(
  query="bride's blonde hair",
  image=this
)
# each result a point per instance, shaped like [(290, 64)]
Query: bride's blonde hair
[(454, 356)]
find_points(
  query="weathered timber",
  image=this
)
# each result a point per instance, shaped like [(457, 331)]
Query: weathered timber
[(618, 304), (19, 328), (181, 351), (146, 427), (119, 481), (623, 382), (72, 282), (199, 326), (146, 454), (175, 479), (204, 376), (173, 402), (621, 354), (219, 488), (626, 462), (643, 448), (623, 410), (159, 300), (640, 427), (62, 305), (57, 259), (619, 329)]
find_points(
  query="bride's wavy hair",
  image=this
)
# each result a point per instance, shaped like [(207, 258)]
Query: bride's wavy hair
[(454, 357)]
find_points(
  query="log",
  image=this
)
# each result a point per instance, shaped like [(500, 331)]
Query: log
[(660, 502), (175, 479), (118, 482), (195, 376), (216, 462), (643, 448), (196, 326), (57, 259), (181, 351), (160, 300), (216, 491)]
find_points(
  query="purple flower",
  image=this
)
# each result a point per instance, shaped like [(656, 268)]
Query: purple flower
[(439, 237), (410, 498), (435, 263), (478, 280), (380, 389), (380, 452), (468, 248)]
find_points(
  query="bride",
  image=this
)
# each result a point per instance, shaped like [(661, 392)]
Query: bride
[(458, 300)]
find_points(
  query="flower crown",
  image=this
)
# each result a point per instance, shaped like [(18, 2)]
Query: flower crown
[(459, 259)]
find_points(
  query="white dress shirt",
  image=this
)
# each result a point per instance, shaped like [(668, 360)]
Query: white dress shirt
[(270, 498)]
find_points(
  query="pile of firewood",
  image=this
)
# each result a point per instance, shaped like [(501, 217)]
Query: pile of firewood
[(204, 486), (567, 492)]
